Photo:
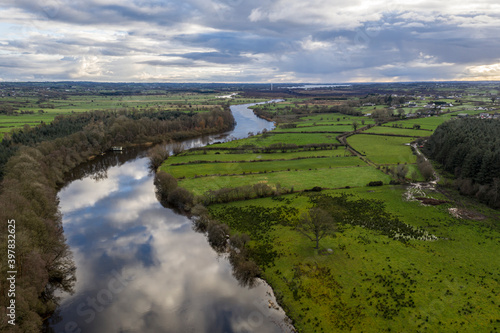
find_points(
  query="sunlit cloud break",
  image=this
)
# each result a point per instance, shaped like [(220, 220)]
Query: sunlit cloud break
[(241, 41)]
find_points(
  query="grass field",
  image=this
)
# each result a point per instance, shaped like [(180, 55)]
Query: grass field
[(227, 156), (292, 138), (317, 128), (384, 149), (398, 131), (372, 283), (333, 118), (192, 170), (429, 123), (299, 180)]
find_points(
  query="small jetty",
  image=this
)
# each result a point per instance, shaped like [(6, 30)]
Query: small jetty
[(117, 148)]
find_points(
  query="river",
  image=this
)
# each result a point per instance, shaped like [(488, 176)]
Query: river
[(140, 267)]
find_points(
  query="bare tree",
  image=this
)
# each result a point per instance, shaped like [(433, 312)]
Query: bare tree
[(316, 224), (177, 148), (157, 155)]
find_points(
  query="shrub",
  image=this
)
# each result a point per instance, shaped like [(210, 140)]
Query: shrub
[(217, 235), (165, 184), (244, 270), (181, 198), (157, 155)]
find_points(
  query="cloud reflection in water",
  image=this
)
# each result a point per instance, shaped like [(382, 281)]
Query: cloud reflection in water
[(179, 284)]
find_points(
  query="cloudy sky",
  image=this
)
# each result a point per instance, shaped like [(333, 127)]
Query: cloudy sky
[(249, 41)]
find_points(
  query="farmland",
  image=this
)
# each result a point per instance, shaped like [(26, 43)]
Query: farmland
[(361, 278), (31, 111), (384, 149), (399, 255), (370, 282)]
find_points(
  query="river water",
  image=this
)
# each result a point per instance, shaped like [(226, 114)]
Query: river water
[(140, 266)]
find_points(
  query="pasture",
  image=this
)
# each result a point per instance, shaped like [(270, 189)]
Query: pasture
[(370, 282), (296, 180), (384, 149)]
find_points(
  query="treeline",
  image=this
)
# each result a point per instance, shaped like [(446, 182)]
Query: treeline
[(245, 192), (42, 259), (121, 127), (29, 196), (272, 148), (470, 149)]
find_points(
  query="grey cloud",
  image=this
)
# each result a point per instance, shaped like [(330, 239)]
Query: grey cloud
[(164, 63), (150, 34), (214, 57)]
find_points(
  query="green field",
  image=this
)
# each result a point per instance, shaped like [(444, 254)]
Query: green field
[(322, 128), (338, 169), (292, 138), (398, 131), (372, 283), (384, 149), (229, 156), (334, 119), (429, 123), (299, 180), (200, 169)]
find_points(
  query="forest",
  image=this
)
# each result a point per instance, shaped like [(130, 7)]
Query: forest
[(124, 125), (470, 149)]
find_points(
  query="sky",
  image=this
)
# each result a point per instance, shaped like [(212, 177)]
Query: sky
[(316, 41)]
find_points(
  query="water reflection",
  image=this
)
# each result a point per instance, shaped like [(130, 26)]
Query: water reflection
[(141, 267)]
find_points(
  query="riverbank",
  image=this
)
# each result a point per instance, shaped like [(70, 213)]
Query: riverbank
[(426, 270)]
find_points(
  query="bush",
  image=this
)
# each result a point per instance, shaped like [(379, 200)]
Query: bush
[(165, 184), (314, 189), (201, 218), (376, 183), (288, 125), (157, 155), (217, 235), (245, 270), (181, 198)]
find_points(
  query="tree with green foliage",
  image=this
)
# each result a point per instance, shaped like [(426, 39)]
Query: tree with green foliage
[(355, 125), (316, 224)]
